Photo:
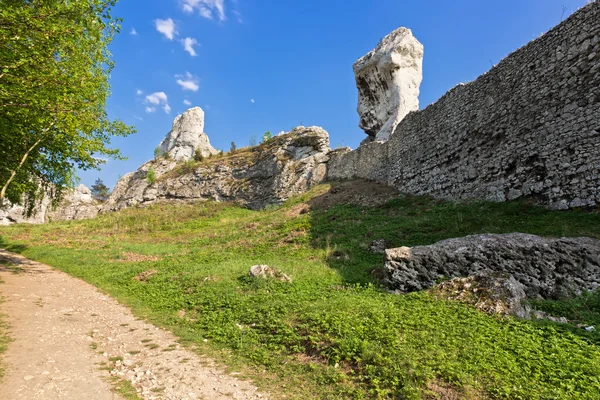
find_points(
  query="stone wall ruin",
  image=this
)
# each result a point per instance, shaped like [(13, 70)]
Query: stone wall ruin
[(528, 127)]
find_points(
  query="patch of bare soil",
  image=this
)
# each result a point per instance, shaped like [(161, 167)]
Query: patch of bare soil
[(359, 192), (65, 330)]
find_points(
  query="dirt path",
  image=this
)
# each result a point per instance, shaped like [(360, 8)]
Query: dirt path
[(64, 329)]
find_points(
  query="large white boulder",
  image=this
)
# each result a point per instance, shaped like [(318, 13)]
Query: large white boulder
[(388, 80), (186, 136)]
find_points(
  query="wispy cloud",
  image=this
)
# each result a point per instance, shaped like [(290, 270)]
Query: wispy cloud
[(138, 118), (139, 92), (157, 99), (166, 27), (188, 45), (187, 102), (133, 32), (206, 8), (252, 101), (188, 82)]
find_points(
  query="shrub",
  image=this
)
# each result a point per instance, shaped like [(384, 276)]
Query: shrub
[(198, 155), (266, 136), (232, 148), (151, 176)]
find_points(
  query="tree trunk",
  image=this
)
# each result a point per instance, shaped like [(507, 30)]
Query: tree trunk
[(13, 173)]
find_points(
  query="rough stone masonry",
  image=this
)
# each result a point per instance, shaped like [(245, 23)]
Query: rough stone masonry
[(528, 127)]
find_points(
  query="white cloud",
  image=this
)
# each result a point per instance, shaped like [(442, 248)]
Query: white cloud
[(133, 32), (157, 99), (138, 118), (206, 8), (166, 27), (252, 101), (188, 82), (188, 45), (139, 92), (187, 102)]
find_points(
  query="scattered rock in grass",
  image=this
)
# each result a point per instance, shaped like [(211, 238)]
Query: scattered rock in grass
[(145, 275), (548, 268), (264, 271), (339, 255), (497, 293), (378, 246)]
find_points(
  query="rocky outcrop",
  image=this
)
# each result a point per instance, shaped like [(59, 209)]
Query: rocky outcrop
[(16, 213), (492, 293), (388, 80), (186, 137), (529, 127), (548, 268), (77, 204), (255, 177)]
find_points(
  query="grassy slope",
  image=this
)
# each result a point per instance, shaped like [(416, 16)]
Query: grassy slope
[(331, 333)]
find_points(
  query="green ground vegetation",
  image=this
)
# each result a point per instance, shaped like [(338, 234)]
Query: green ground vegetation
[(333, 332)]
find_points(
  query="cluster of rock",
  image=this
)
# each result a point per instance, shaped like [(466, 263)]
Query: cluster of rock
[(546, 268), (528, 127), (270, 173), (77, 204)]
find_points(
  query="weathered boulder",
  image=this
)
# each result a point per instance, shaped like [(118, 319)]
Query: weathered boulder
[(548, 268), (388, 80), (187, 136), (492, 293), (77, 204), (255, 177), (15, 213), (265, 272)]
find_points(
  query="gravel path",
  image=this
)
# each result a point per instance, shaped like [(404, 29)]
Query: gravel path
[(64, 330)]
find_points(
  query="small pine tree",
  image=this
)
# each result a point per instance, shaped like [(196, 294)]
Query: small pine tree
[(252, 142), (100, 191), (232, 148), (266, 136)]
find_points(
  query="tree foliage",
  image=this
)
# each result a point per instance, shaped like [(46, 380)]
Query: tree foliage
[(54, 72), (100, 191), (266, 136)]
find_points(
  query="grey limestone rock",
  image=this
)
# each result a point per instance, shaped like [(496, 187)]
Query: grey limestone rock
[(264, 271), (267, 174), (388, 80), (77, 204), (548, 268), (187, 136)]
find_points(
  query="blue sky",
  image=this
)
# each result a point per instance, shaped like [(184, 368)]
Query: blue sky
[(258, 65)]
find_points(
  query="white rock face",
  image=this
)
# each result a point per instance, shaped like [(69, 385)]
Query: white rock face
[(186, 136), (388, 80)]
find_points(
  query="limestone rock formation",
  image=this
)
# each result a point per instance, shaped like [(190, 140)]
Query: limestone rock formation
[(15, 213), (492, 293), (388, 80), (267, 174), (548, 268), (265, 272), (77, 204), (186, 136)]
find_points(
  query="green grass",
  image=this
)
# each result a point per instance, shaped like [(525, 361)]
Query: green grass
[(332, 333)]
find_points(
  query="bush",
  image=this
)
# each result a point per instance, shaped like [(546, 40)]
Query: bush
[(198, 155), (151, 176), (233, 148), (266, 136)]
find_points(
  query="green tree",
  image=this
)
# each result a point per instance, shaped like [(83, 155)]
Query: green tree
[(266, 136), (54, 72), (100, 191), (232, 148)]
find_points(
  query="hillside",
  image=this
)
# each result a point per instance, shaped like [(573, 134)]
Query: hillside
[(332, 332)]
